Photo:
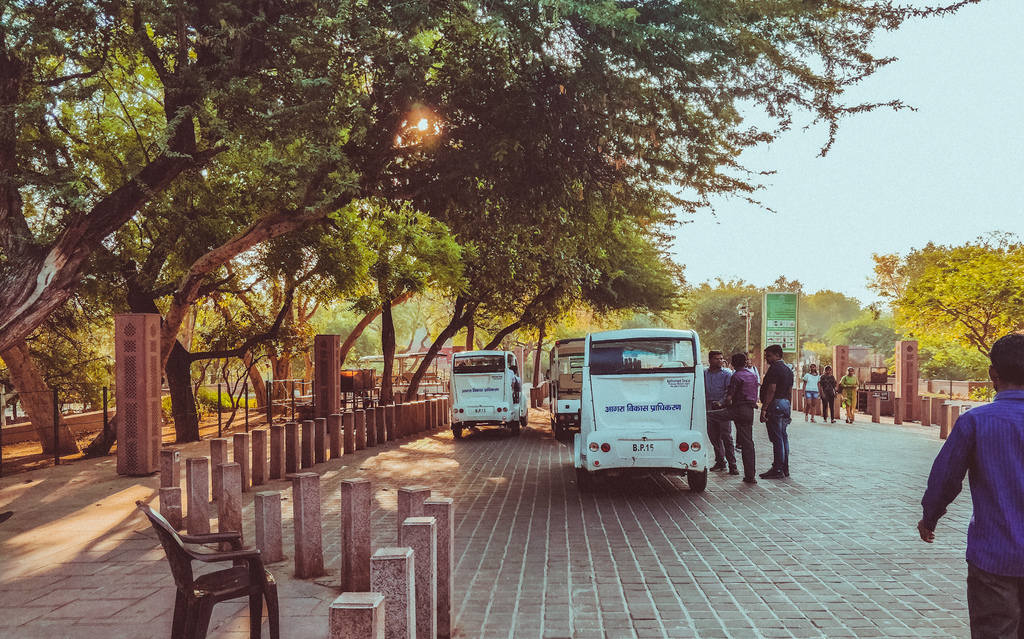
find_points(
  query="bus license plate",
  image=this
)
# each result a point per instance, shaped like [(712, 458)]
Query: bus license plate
[(479, 410), (643, 447)]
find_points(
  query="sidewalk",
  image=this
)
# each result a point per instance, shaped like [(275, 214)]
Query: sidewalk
[(831, 552)]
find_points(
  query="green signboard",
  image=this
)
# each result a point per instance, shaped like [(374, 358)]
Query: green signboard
[(780, 320)]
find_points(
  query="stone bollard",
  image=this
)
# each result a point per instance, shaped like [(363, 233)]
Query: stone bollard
[(938, 412), (420, 534), (926, 411), (443, 510), (412, 417), (410, 502), (897, 411), (309, 550), (378, 419), (875, 405), (335, 429), (349, 422), (399, 421), (435, 413), (229, 508), (197, 485), (360, 429), (392, 575), (421, 415), (308, 440), (446, 411), (218, 457), (356, 498), (268, 526), (241, 457), (952, 414), (320, 440), (170, 505), (260, 469), (170, 468), (277, 463), (370, 414), (292, 454), (357, 615), (389, 422)]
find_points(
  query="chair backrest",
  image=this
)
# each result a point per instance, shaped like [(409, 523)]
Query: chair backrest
[(177, 556)]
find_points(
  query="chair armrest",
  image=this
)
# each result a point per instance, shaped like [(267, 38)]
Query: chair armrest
[(228, 555), (233, 538)]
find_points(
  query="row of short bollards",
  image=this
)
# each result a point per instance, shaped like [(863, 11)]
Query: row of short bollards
[(423, 522)]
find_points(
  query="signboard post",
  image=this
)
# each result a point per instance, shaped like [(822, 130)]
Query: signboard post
[(780, 321)]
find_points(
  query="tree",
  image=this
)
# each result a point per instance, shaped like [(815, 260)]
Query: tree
[(969, 294), (711, 310)]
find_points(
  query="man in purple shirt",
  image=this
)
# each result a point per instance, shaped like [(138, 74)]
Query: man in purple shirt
[(987, 445), (741, 397)]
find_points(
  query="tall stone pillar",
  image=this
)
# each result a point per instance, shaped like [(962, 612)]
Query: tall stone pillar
[(327, 374), (138, 375), (907, 371)]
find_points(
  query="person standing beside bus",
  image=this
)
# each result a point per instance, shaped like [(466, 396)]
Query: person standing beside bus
[(716, 382), (742, 400), (776, 394)]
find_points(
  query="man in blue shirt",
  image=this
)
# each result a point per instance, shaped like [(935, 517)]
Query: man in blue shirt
[(776, 395), (716, 382), (987, 445)]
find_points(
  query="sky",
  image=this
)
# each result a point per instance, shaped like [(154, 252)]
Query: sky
[(947, 173)]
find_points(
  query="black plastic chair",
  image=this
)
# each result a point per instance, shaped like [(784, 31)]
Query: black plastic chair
[(197, 596)]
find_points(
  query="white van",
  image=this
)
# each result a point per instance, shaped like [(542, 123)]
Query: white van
[(642, 406), (482, 391), (565, 385)]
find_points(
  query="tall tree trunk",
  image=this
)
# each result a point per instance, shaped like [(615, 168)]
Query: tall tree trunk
[(387, 343), (502, 334), (536, 359), (37, 399), (471, 337), (463, 313), (366, 321), (256, 380), (183, 402)]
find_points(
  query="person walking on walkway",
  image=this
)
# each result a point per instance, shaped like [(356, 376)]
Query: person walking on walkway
[(776, 391), (716, 381), (827, 389), (810, 380), (741, 397), (848, 389), (987, 446)]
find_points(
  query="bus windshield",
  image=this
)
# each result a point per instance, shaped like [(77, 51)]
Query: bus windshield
[(479, 364), (646, 355)]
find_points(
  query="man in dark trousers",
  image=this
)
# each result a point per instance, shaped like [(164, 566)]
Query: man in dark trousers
[(987, 446), (776, 394)]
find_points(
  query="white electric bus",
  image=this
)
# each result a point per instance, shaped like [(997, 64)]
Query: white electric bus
[(642, 406), (484, 391), (565, 383)]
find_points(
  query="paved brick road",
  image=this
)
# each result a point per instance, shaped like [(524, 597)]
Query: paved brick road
[(831, 552)]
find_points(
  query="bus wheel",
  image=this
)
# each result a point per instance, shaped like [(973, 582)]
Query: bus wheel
[(559, 431), (457, 431), (514, 427), (697, 480), (524, 420), (584, 482)]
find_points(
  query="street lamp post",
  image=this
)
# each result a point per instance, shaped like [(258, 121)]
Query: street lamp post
[(743, 309)]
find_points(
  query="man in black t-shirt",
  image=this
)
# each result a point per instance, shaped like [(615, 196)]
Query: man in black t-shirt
[(776, 393)]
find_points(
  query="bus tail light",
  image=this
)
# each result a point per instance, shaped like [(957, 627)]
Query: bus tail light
[(606, 447), (695, 446), (683, 447), (594, 446)]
